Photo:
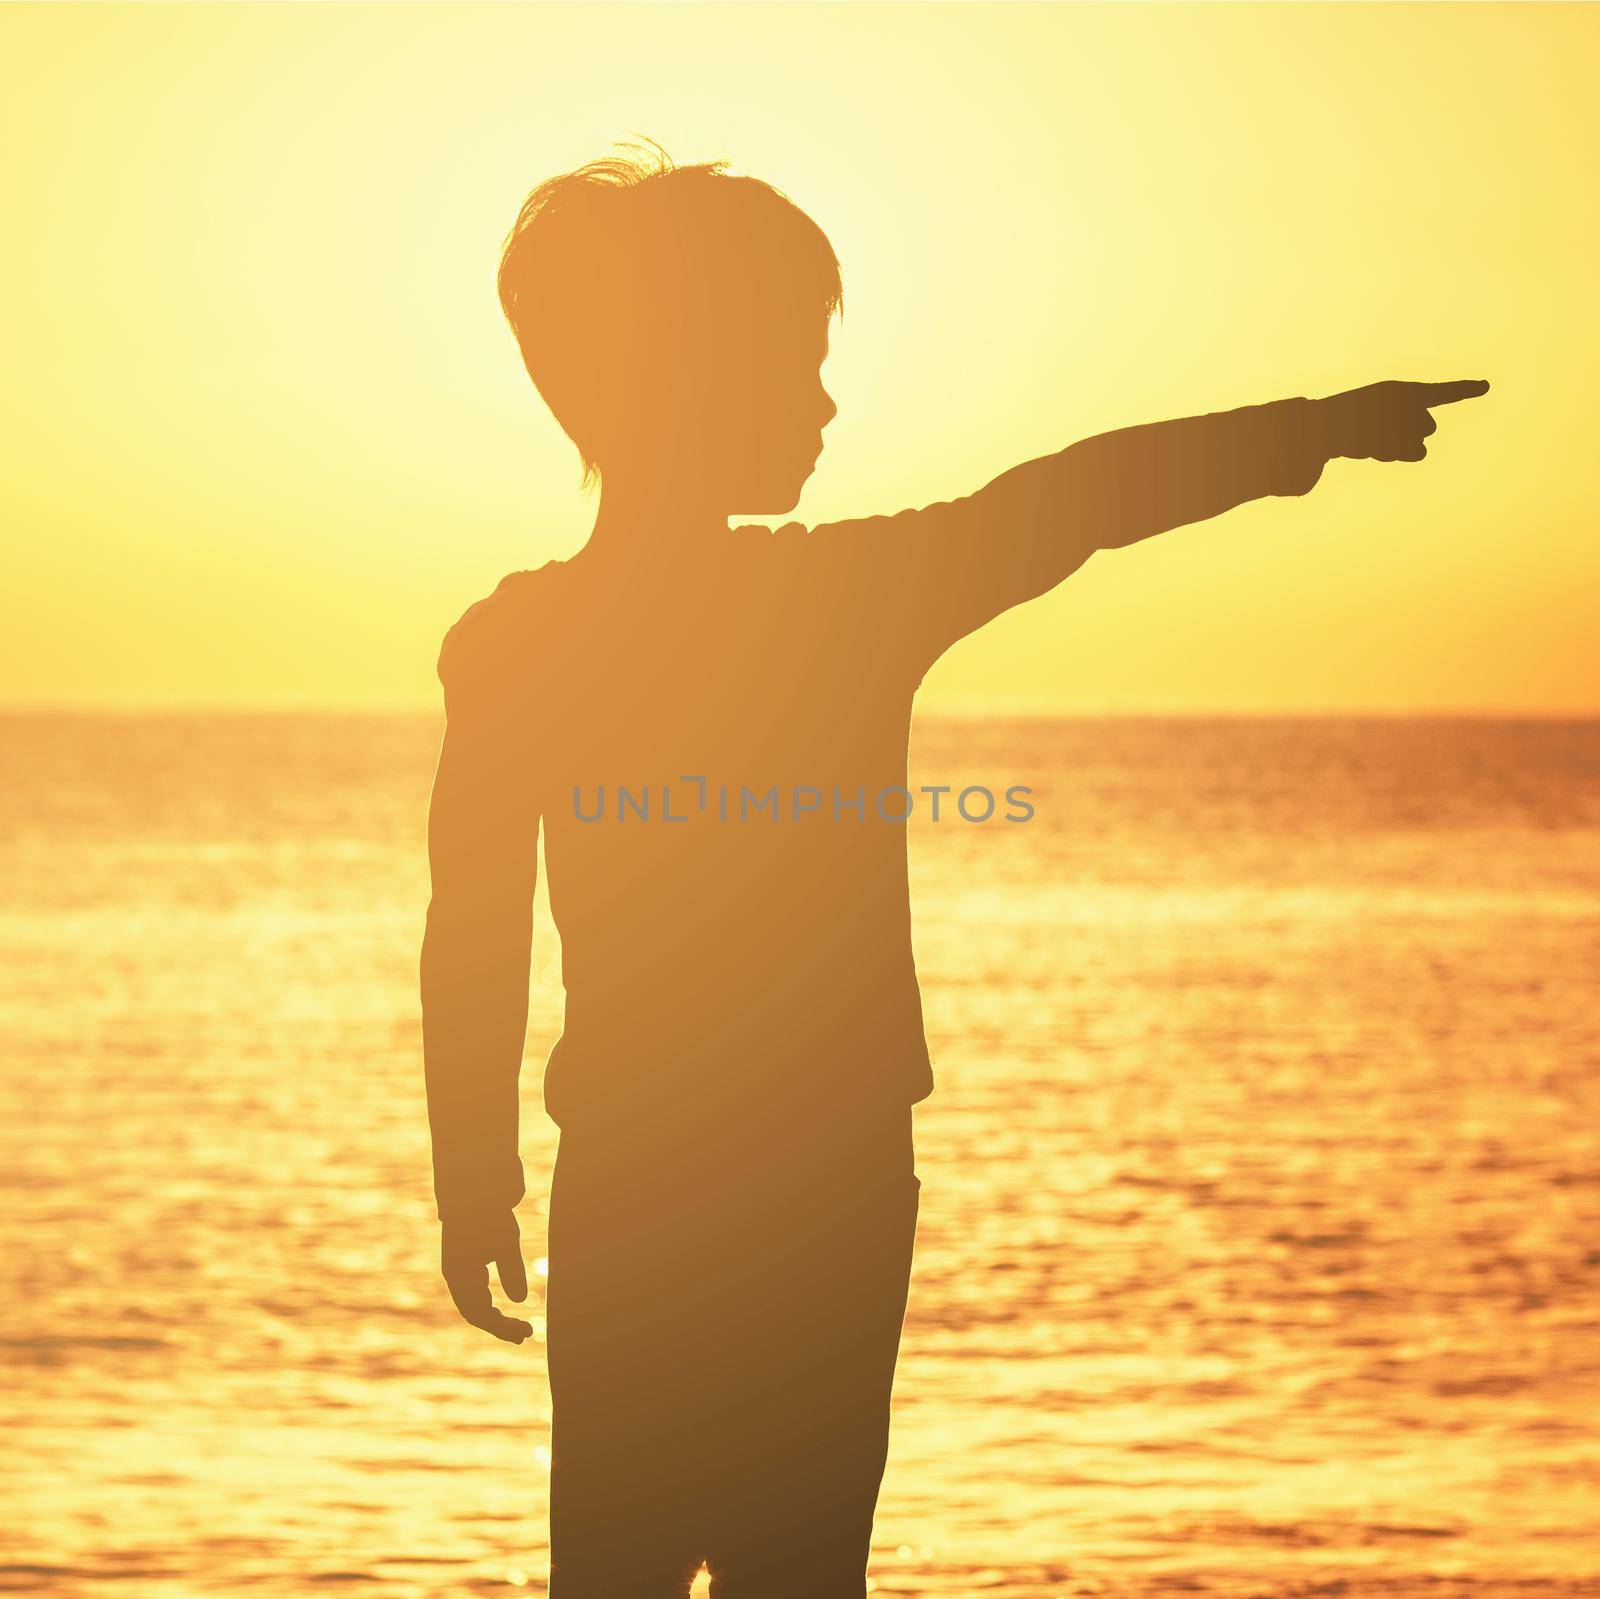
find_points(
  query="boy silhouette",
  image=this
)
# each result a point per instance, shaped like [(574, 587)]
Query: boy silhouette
[(706, 720)]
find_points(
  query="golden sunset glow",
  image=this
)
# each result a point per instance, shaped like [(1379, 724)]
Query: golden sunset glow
[(267, 434), (1183, 1164)]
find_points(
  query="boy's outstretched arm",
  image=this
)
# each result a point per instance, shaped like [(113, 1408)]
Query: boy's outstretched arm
[(944, 570), (483, 829), (1116, 489)]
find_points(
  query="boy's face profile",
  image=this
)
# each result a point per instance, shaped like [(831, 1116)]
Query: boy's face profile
[(773, 407), (743, 414)]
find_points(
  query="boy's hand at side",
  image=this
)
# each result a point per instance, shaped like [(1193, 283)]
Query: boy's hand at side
[(1388, 421), (467, 1246)]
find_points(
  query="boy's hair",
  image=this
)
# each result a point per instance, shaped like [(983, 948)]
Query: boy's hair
[(630, 272)]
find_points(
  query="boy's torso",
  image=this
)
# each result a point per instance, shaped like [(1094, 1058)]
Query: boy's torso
[(719, 747)]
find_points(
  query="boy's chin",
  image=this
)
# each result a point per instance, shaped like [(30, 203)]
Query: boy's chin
[(770, 499)]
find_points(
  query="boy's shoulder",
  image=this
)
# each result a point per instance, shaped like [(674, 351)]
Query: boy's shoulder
[(495, 635)]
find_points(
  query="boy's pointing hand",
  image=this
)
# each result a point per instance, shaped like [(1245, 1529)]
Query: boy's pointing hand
[(1389, 421), (467, 1247)]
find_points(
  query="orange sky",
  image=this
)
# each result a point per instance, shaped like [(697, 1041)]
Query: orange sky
[(267, 435)]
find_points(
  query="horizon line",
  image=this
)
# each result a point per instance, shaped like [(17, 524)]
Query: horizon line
[(956, 711)]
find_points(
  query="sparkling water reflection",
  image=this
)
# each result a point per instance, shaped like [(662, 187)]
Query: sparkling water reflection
[(1260, 1226)]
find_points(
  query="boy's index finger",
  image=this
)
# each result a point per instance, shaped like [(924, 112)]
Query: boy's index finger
[(1432, 394)]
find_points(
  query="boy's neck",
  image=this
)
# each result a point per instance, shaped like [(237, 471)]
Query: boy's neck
[(653, 518)]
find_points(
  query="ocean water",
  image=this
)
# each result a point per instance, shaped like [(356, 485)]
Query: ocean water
[(1259, 1250)]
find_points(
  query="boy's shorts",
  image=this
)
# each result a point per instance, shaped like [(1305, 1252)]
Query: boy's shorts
[(723, 1313)]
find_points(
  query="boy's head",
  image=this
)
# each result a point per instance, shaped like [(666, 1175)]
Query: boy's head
[(675, 320)]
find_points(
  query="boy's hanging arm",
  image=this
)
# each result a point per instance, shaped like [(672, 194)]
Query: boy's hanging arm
[(483, 829)]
